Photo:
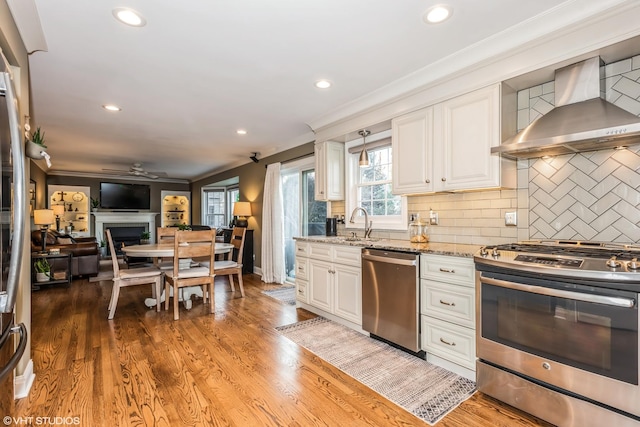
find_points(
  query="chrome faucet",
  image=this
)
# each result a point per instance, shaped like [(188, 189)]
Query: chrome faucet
[(367, 229)]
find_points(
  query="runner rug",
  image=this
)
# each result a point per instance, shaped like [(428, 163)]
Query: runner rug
[(427, 391), (284, 294)]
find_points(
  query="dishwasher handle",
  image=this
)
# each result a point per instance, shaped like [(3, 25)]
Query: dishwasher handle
[(389, 260)]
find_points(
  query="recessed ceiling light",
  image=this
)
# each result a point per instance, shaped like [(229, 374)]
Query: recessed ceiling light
[(129, 17), (437, 14), (111, 107), (241, 132), (323, 84)]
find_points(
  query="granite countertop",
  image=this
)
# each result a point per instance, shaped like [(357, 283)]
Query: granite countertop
[(454, 249)]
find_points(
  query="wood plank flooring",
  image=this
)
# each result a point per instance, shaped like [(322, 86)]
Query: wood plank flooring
[(227, 369)]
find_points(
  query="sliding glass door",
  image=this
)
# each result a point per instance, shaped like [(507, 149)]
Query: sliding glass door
[(303, 216)]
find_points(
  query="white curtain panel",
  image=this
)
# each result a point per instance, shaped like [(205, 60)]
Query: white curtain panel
[(273, 270)]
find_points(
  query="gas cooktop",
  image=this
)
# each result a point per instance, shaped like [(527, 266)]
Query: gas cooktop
[(597, 260)]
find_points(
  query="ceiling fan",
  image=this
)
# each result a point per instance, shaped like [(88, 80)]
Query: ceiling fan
[(136, 169)]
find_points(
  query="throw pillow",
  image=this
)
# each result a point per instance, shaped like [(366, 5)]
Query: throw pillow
[(65, 240)]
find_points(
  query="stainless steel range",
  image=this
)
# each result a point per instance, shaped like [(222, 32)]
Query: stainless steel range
[(557, 332)]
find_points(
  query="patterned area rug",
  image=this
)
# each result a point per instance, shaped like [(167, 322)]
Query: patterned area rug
[(284, 294), (427, 391)]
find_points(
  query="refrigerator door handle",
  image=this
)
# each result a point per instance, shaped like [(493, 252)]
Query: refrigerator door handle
[(10, 366)]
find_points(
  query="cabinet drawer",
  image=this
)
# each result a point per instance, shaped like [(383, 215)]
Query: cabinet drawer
[(302, 268), (347, 255), (320, 251), (448, 269), (448, 302), (302, 291), (454, 343), (302, 249)]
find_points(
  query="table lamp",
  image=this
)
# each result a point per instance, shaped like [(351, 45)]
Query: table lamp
[(43, 218), (242, 210), (58, 210)]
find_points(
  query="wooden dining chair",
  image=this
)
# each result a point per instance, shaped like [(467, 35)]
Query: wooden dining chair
[(131, 277), (189, 245), (165, 235), (233, 265)]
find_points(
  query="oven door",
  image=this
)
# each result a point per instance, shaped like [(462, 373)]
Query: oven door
[(578, 337)]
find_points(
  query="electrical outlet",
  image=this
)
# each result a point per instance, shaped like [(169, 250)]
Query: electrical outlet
[(433, 218), (510, 218)]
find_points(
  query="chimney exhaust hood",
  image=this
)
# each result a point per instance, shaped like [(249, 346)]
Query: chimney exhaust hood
[(581, 121)]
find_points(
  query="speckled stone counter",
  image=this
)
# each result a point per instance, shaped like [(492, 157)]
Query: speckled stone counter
[(454, 249)]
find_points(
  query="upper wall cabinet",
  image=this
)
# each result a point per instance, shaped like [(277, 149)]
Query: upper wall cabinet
[(447, 146), (329, 185)]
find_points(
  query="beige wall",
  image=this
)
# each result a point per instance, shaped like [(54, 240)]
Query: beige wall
[(251, 182), (15, 52)]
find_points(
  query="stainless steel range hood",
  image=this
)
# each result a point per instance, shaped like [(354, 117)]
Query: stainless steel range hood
[(581, 121)]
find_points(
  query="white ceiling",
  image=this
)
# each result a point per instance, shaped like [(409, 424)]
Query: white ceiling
[(200, 70)]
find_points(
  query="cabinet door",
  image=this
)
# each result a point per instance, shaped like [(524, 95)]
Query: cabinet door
[(329, 183), (412, 148), (321, 177), (348, 289), (470, 127), (321, 285)]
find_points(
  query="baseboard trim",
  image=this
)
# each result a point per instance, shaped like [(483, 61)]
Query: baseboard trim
[(22, 383)]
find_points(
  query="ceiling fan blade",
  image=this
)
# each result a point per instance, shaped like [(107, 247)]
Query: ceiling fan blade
[(115, 170), (158, 174)]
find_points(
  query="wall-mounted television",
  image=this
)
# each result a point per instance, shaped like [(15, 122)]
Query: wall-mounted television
[(125, 196)]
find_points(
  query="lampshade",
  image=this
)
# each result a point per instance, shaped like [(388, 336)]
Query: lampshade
[(43, 217), (58, 210), (242, 209), (364, 155)]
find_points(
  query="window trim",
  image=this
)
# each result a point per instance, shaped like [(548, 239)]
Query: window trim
[(351, 177)]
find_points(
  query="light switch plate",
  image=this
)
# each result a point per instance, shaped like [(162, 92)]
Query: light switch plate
[(510, 218)]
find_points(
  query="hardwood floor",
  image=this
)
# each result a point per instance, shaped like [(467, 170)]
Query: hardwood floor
[(231, 368)]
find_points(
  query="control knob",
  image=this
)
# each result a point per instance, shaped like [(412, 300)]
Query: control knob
[(633, 264), (495, 253), (483, 251), (613, 262)]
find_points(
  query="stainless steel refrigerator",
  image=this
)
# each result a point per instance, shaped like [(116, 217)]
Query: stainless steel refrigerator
[(13, 338)]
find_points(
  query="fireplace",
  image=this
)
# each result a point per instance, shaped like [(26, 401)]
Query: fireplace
[(106, 220), (127, 235)]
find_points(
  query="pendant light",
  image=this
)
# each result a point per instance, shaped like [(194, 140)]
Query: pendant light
[(364, 156)]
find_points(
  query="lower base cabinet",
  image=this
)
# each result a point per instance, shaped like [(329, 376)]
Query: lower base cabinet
[(329, 277), (447, 309)]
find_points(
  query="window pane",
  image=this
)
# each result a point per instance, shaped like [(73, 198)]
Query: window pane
[(378, 192), (383, 173), (315, 213), (367, 174), (378, 207), (393, 207)]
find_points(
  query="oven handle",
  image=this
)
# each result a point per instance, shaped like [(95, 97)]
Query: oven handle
[(598, 299)]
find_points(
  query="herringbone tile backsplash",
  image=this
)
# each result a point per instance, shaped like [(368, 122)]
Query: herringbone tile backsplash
[(586, 196)]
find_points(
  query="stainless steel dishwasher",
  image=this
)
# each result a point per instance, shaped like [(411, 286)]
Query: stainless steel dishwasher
[(390, 297)]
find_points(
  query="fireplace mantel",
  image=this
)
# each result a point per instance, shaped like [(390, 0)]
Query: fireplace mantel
[(102, 218)]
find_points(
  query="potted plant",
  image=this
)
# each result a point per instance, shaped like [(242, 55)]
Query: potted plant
[(103, 249), (35, 146), (95, 203), (183, 227), (43, 270), (145, 238)]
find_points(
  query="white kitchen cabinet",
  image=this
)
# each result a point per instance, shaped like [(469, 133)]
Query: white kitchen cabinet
[(470, 126), (412, 148), (329, 172), (447, 312), (302, 272), (447, 146), (331, 279)]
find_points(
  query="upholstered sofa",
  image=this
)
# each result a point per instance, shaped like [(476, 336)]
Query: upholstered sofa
[(85, 258)]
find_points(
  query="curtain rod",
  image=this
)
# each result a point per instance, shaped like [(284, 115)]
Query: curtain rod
[(302, 156)]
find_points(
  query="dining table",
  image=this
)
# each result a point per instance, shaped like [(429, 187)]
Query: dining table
[(166, 250)]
